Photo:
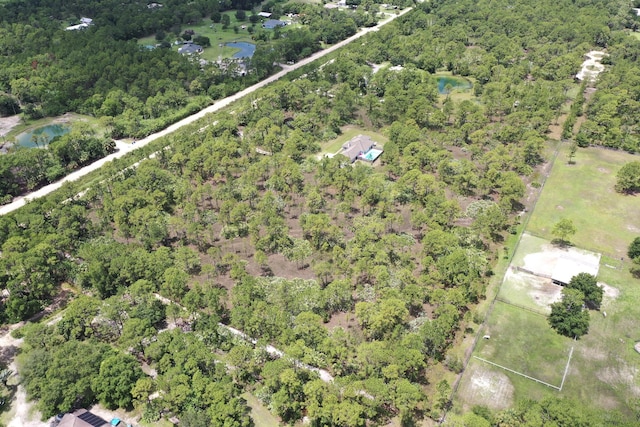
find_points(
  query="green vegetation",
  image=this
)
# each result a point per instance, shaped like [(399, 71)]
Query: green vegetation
[(588, 186), (628, 178), (563, 230), (373, 276)]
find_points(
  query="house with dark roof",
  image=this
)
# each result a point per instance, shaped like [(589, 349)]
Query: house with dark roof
[(357, 147), (82, 418), (270, 24), (190, 49)]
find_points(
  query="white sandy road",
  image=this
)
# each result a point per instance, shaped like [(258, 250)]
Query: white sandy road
[(124, 149)]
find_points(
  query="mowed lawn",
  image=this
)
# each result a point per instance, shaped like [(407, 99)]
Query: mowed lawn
[(217, 36), (523, 341), (606, 221)]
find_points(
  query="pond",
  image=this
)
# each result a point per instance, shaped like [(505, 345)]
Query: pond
[(453, 83), (44, 135), (246, 49)]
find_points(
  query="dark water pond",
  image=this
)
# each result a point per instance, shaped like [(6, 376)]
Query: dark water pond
[(453, 82), (44, 135)]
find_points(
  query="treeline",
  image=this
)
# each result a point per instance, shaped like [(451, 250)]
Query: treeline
[(25, 169)]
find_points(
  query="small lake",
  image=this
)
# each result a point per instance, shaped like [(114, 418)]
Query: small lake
[(246, 49), (44, 134), (454, 82)]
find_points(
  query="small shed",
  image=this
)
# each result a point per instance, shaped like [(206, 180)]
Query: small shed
[(265, 14)]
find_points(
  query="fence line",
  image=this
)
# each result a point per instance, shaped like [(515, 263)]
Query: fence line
[(519, 373), (456, 384), (532, 310), (620, 261), (566, 369)]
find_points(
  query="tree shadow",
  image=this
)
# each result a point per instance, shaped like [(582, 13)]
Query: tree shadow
[(561, 243)]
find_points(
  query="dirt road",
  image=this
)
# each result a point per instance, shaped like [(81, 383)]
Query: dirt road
[(124, 149)]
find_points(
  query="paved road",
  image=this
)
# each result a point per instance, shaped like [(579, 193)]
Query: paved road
[(124, 149)]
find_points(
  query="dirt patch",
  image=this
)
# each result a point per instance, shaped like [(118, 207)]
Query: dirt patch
[(342, 320), (483, 386), (604, 170), (610, 293), (637, 347), (560, 208), (540, 289), (620, 374), (8, 123), (592, 353), (633, 228), (544, 263)]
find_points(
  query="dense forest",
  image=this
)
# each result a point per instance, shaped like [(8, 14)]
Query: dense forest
[(371, 273)]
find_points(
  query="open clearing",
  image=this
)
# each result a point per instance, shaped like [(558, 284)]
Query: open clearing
[(584, 192), (348, 132), (483, 385), (605, 367)]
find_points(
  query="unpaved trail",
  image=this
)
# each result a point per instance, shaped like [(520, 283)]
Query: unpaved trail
[(21, 408)]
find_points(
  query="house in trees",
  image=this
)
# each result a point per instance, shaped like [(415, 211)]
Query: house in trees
[(84, 23), (190, 49), (568, 266), (82, 418), (265, 14), (270, 24), (361, 147)]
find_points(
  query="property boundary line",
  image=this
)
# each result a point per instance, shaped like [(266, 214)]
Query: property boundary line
[(456, 385), (520, 373)]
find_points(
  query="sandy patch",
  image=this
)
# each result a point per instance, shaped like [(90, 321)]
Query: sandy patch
[(560, 208), (540, 289), (637, 347), (610, 293), (592, 353), (604, 170), (592, 66), (620, 374), (544, 263), (487, 387), (8, 123), (633, 228)]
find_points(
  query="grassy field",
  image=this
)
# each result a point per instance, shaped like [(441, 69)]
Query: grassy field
[(606, 221), (219, 37), (260, 414), (604, 367), (349, 132), (511, 344)]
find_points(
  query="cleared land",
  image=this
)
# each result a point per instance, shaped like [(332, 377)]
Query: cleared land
[(604, 369), (584, 192), (333, 146)]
